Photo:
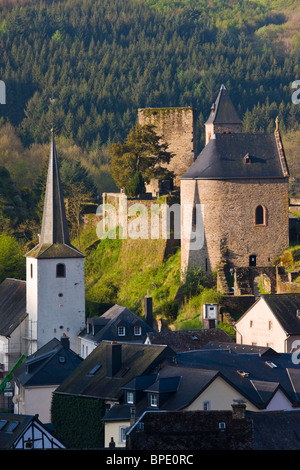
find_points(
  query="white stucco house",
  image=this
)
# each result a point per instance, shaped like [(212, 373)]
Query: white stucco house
[(40, 374), (272, 321)]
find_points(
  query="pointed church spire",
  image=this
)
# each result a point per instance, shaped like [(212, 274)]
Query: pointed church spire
[(223, 117), (54, 238), (223, 111), (54, 224)]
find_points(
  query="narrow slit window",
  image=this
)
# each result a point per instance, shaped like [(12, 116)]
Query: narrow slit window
[(60, 270), (194, 216), (260, 215)]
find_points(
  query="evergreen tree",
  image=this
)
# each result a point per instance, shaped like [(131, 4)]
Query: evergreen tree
[(142, 153)]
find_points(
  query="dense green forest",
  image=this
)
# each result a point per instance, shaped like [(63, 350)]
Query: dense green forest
[(85, 67)]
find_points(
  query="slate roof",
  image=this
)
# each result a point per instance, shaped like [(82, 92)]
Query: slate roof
[(18, 424), (193, 430), (276, 430), (50, 365), (256, 375), (255, 372), (91, 377), (106, 326), (224, 158), (285, 307), (187, 340), (12, 305), (13, 426), (54, 239), (199, 430), (223, 110)]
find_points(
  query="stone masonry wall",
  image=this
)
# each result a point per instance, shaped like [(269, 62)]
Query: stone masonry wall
[(176, 126), (230, 235)]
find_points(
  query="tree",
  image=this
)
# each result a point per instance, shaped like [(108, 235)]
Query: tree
[(12, 262), (142, 152), (135, 186), (78, 198)]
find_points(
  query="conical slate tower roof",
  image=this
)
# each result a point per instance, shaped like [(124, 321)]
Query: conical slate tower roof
[(223, 111), (54, 239)]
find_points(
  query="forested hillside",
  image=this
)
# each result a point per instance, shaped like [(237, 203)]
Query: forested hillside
[(101, 60), (86, 66)]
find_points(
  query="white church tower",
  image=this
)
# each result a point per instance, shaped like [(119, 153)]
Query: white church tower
[(55, 288)]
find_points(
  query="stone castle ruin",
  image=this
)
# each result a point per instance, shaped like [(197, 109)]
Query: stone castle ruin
[(235, 191)]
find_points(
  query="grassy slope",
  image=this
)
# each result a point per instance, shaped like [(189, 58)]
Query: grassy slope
[(124, 271)]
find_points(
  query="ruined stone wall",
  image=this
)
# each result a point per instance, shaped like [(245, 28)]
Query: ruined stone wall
[(177, 127), (230, 235), (153, 219)]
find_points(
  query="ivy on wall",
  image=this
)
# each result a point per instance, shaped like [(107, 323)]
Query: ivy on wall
[(78, 421)]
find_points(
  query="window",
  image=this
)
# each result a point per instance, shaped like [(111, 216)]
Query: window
[(252, 260), (122, 434), (194, 216), (206, 405), (31, 270), (130, 398), (121, 330), (251, 323), (270, 325), (260, 215), (60, 270), (153, 400), (137, 330)]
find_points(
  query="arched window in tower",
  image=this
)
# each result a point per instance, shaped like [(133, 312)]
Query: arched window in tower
[(260, 215), (60, 270)]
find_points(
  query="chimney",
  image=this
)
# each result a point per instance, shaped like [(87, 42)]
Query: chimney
[(132, 415), (238, 409), (65, 341), (113, 359), (148, 310)]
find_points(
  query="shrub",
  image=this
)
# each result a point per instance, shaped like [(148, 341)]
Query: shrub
[(136, 186)]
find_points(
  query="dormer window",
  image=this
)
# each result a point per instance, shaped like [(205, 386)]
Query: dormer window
[(60, 270), (130, 398), (121, 330), (153, 400), (137, 330)]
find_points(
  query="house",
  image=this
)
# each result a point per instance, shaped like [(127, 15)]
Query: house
[(187, 340), (192, 430), (99, 379), (238, 429), (234, 197), (12, 316), (40, 374), (209, 379), (273, 320), (26, 432), (116, 324)]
